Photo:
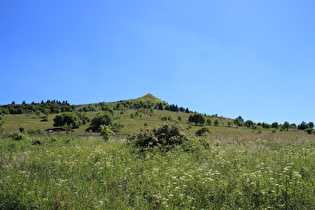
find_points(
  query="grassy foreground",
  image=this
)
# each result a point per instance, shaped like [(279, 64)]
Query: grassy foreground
[(70, 172)]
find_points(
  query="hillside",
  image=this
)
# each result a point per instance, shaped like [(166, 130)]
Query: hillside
[(230, 166), (133, 114)]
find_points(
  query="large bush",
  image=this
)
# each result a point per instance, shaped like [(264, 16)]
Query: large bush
[(67, 118), (202, 131), (100, 119), (165, 137), (197, 118)]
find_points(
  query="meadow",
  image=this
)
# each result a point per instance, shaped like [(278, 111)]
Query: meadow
[(241, 169)]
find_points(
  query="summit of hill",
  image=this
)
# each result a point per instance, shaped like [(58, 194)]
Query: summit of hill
[(148, 97)]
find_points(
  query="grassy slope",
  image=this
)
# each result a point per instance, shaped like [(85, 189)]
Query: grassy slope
[(243, 169), (32, 122), (240, 171)]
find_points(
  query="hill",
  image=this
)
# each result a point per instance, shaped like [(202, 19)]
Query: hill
[(147, 110), (147, 97)]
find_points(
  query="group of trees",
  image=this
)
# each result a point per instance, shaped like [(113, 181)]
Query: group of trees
[(70, 119), (201, 119), (75, 119), (47, 107), (138, 105)]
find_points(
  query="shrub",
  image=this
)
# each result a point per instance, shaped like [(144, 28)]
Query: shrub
[(275, 125), (106, 132), (216, 122), (197, 118), (33, 131), (248, 123), (67, 118), (117, 126), (18, 136), (164, 137), (202, 131), (100, 119), (309, 130)]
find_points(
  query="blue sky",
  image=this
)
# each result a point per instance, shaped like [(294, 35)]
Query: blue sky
[(254, 59)]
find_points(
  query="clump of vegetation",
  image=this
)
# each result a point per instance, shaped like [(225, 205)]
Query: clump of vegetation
[(165, 137), (197, 118), (202, 131), (166, 118), (309, 130), (100, 119), (67, 118), (117, 126), (106, 132), (18, 136)]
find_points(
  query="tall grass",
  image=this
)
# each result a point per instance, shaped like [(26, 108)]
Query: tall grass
[(258, 171)]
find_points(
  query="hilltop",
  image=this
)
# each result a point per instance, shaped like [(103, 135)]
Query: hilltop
[(147, 97)]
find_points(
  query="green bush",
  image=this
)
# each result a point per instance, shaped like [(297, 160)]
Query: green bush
[(117, 127), (197, 118), (164, 137), (309, 130), (67, 118), (100, 119), (18, 136), (202, 131), (106, 132)]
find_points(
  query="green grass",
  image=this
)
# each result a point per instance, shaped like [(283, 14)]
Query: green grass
[(244, 168), (268, 170)]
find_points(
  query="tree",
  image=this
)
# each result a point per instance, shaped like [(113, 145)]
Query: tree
[(38, 113), (286, 125), (241, 119), (275, 125), (265, 125), (197, 118), (100, 119), (293, 126), (106, 132), (310, 125), (249, 123), (160, 106), (46, 112), (67, 118), (302, 126), (237, 122), (216, 122), (209, 121)]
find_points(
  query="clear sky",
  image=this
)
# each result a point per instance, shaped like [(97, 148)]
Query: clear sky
[(254, 59)]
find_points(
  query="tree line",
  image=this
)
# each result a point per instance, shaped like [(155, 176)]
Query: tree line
[(48, 107), (202, 119)]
